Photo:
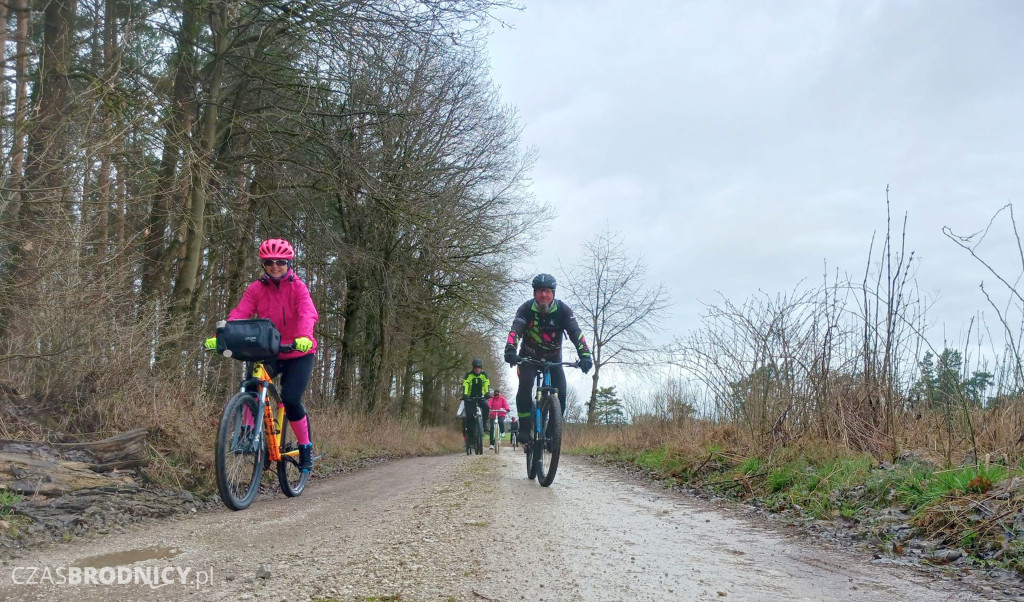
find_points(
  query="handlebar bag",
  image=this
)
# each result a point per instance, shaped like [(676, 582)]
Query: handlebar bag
[(249, 340)]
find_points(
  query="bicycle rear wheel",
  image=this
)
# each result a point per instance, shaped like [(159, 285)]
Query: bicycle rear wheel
[(291, 479), (239, 452), (549, 448)]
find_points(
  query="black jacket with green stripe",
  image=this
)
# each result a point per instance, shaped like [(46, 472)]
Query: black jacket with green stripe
[(541, 334)]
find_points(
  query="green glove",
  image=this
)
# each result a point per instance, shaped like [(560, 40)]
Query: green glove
[(211, 343), (303, 344)]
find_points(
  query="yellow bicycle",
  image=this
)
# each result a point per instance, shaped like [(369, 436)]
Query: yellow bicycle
[(244, 450)]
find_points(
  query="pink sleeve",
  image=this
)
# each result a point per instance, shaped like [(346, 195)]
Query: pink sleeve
[(504, 402), (308, 315), (247, 306)]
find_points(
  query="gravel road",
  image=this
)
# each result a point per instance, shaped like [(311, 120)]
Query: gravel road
[(442, 528)]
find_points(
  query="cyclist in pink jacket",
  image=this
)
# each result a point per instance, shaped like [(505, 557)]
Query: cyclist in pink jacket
[(280, 296), (499, 407)]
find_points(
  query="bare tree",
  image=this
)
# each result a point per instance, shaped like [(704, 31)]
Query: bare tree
[(1009, 311), (609, 295), (573, 407)]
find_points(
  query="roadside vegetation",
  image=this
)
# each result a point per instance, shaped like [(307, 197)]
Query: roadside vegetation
[(134, 199), (829, 404), (911, 503)]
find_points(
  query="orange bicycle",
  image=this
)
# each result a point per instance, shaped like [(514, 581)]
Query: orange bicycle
[(245, 450)]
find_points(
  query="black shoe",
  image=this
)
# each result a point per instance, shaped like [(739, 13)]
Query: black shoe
[(306, 457), (243, 444)]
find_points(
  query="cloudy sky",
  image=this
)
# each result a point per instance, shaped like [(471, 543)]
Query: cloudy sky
[(738, 146)]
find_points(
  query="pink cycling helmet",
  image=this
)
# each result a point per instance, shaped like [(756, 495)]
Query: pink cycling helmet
[(276, 248)]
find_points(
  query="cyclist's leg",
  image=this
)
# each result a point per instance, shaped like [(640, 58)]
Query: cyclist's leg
[(490, 431), (501, 425), (524, 402), (558, 381), (295, 375)]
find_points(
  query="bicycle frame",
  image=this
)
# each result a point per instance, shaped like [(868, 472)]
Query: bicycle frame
[(272, 421), (541, 388), (496, 433)]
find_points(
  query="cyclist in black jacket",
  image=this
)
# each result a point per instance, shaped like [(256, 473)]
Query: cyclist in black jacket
[(539, 325)]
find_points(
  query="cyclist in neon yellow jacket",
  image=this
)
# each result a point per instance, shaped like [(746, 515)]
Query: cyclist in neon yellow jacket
[(474, 387)]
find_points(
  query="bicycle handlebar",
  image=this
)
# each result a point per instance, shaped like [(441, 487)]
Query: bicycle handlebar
[(544, 364), (281, 349)]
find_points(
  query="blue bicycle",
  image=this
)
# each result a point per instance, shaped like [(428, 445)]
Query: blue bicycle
[(546, 445)]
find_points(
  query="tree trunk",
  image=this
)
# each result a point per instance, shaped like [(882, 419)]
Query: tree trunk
[(45, 201), (407, 381), (185, 285), (21, 13), (157, 252)]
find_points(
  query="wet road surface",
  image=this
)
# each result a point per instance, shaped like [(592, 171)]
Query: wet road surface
[(446, 528)]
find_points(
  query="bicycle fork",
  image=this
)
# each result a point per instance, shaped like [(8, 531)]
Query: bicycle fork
[(270, 427)]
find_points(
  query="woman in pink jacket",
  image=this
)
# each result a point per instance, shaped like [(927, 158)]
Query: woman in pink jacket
[(499, 407), (280, 296)]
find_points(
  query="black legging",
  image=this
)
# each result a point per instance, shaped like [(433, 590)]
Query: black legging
[(524, 397), (295, 374)]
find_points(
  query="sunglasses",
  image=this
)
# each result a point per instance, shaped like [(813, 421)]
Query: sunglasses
[(278, 262)]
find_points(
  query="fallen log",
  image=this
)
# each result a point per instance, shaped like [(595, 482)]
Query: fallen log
[(30, 475), (53, 469), (120, 452)]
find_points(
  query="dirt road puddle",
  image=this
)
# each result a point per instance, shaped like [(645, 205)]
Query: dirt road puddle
[(127, 557)]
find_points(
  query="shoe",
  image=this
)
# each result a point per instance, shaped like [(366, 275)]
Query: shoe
[(306, 457), (244, 442), (492, 446)]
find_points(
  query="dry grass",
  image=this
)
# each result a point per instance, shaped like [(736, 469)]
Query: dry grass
[(347, 436), (998, 434), (182, 423), (183, 439)]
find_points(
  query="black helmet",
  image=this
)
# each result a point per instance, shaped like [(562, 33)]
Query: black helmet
[(544, 281), (478, 363)]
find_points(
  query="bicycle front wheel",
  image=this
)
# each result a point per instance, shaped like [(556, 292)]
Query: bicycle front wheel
[(496, 437), (479, 435), (240, 451), (548, 448), (531, 465), (291, 479)]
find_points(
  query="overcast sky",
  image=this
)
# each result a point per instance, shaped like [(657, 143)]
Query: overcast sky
[(740, 145)]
